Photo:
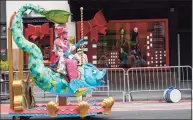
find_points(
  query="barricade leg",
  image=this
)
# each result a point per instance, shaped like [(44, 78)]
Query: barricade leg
[(108, 88), (124, 96), (129, 96)]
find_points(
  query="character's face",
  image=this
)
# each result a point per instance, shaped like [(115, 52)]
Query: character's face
[(93, 76), (64, 35), (122, 31), (135, 29), (121, 50), (61, 31), (80, 52)]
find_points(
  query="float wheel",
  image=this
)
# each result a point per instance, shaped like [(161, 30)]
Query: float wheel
[(20, 117), (16, 118)]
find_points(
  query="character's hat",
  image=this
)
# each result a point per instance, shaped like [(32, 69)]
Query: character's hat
[(60, 29)]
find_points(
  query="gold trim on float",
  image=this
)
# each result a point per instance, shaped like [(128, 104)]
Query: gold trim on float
[(83, 108), (10, 61), (52, 108), (107, 105), (17, 93)]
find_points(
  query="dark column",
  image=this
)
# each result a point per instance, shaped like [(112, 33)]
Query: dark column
[(3, 11), (185, 31), (173, 43), (3, 31)]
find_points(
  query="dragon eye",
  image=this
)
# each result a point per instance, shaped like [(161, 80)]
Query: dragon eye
[(94, 71)]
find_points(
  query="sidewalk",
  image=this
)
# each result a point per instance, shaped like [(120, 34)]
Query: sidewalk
[(99, 97)]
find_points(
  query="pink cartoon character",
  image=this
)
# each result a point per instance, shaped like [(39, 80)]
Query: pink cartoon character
[(62, 53)]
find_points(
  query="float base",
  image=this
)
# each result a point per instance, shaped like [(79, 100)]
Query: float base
[(63, 111)]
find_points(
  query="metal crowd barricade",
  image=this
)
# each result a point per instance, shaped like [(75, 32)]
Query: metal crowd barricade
[(143, 79), (4, 85), (115, 82), (16, 74), (4, 80), (37, 91)]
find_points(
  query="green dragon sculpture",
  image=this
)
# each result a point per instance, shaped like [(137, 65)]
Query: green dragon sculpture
[(44, 77)]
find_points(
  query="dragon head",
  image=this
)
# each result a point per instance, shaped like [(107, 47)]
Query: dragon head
[(93, 76)]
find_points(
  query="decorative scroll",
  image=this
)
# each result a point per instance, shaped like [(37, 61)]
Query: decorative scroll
[(17, 93)]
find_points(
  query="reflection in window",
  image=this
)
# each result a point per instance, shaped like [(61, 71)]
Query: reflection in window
[(146, 48)]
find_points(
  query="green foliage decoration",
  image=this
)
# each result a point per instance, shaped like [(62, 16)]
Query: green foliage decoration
[(4, 65)]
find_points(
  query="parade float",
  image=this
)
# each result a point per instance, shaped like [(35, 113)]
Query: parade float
[(77, 79)]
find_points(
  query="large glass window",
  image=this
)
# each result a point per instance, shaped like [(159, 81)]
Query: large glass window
[(134, 43)]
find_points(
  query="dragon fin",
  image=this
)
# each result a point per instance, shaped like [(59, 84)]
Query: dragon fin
[(80, 92), (79, 87)]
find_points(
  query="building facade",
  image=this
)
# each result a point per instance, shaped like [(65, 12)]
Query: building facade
[(178, 13), (177, 23)]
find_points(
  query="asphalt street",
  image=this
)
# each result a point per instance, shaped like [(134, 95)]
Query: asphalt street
[(133, 110), (159, 114)]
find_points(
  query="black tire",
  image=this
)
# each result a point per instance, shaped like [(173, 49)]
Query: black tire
[(25, 117), (20, 117), (16, 118)]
